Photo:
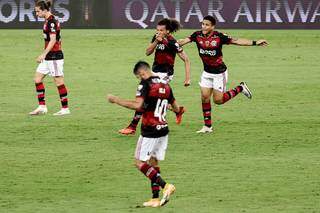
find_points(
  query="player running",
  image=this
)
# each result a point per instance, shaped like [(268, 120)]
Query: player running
[(215, 75), (50, 61), (153, 95), (166, 48)]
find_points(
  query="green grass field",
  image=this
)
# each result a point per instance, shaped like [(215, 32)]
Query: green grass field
[(263, 157)]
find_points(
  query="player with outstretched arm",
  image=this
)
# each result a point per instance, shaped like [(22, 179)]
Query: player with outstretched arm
[(215, 75)]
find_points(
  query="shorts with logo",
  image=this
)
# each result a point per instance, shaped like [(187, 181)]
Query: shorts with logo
[(151, 147), (214, 81), (52, 68)]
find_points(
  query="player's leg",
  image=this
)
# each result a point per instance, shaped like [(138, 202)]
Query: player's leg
[(40, 74), (131, 129), (56, 71), (221, 96), (206, 109), (155, 187)]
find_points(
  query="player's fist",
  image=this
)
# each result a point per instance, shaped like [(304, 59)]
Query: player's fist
[(159, 37), (111, 98), (262, 43), (187, 82), (41, 58)]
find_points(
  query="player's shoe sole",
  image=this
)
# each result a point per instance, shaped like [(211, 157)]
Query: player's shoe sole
[(205, 129), (62, 112), (180, 114), (168, 190), (246, 91), (154, 203), (39, 111)]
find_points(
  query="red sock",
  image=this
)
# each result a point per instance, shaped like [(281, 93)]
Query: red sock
[(152, 174), (231, 94), (206, 108), (155, 188), (41, 93), (63, 92), (135, 121)]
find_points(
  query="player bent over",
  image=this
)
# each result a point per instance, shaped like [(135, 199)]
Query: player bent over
[(50, 61), (165, 48), (215, 75), (154, 96)]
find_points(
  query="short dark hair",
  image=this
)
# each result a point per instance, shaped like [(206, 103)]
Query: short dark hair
[(211, 19), (171, 24), (140, 65), (44, 4)]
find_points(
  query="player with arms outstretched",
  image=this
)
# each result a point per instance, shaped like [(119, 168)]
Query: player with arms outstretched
[(153, 96), (215, 75), (50, 61), (165, 48)]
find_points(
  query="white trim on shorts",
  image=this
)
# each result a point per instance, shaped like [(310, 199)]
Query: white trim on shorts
[(52, 68), (214, 81), (151, 147)]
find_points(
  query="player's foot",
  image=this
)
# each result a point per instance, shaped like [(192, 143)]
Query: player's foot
[(205, 129), (41, 110), (179, 115), (63, 111), (128, 131), (168, 190), (155, 202), (246, 91)]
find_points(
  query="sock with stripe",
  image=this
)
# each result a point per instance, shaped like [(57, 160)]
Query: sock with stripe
[(41, 93), (227, 96), (63, 92)]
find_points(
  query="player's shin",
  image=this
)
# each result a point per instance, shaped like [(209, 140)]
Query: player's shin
[(41, 93), (206, 108), (227, 96), (152, 174)]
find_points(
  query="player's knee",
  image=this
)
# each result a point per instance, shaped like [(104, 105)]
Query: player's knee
[(137, 164), (205, 99), (218, 101), (37, 80)]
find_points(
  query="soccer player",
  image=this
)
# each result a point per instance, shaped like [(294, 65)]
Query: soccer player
[(165, 47), (215, 75), (153, 95), (50, 61)]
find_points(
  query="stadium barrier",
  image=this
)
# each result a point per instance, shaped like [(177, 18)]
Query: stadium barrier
[(124, 14)]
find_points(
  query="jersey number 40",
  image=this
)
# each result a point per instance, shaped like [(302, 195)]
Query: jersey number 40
[(161, 110)]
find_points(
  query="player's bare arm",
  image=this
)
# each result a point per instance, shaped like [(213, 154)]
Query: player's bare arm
[(184, 41), (52, 42), (184, 57), (134, 105), (247, 42), (152, 46)]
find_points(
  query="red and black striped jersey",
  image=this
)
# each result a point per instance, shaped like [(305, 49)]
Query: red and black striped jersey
[(210, 50), (165, 55), (157, 95), (52, 27)]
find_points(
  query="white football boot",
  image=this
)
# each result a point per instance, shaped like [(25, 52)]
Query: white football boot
[(41, 110), (63, 111), (246, 91), (205, 129)]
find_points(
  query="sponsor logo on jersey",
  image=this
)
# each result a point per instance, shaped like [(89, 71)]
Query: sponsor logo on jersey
[(208, 52), (161, 46)]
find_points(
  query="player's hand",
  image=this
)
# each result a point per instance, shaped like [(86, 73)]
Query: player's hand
[(41, 58), (262, 43), (112, 99), (159, 37), (187, 82)]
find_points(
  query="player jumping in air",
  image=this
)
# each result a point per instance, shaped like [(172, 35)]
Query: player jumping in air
[(215, 75), (166, 48), (50, 61), (153, 95)]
